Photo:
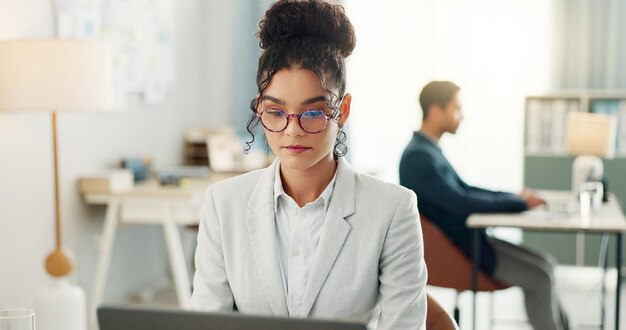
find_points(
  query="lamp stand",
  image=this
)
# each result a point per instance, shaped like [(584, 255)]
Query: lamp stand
[(59, 262), (585, 168), (63, 305)]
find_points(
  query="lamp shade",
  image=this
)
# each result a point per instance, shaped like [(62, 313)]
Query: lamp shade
[(55, 75), (591, 134)]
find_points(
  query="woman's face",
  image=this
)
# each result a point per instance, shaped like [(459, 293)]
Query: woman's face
[(294, 91)]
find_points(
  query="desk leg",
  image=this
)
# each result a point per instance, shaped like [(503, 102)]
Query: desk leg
[(111, 220), (604, 263), (618, 289), (475, 266), (177, 258)]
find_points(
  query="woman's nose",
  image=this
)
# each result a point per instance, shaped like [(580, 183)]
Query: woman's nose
[(293, 127)]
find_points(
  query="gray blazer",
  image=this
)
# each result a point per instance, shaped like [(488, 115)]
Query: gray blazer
[(370, 252)]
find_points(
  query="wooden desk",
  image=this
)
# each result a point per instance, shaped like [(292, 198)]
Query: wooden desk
[(608, 220), (150, 203)]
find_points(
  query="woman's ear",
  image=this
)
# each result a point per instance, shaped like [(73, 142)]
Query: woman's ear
[(345, 108), (258, 103)]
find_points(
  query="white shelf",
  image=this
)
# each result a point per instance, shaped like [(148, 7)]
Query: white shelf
[(545, 115)]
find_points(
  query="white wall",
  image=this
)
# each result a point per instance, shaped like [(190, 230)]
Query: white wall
[(90, 142), (218, 25), (497, 51)]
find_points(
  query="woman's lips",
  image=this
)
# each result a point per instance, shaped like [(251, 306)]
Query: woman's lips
[(297, 149)]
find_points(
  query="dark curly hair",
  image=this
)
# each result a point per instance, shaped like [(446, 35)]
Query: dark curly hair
[(311, 34)]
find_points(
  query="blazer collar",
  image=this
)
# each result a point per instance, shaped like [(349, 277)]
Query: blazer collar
[(262, 230), (427, 139), (334, 234), (343, 192), (343, 200), (263, 191)]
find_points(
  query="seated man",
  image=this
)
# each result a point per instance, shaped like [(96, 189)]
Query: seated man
[(447, 200)]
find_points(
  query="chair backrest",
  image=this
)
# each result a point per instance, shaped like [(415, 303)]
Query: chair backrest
[(437, 318), (448, 266)]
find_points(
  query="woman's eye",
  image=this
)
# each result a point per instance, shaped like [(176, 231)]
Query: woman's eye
[(275, 112), (313, 114)]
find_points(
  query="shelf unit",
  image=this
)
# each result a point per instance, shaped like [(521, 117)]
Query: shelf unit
[(547, 165), (545, 116)]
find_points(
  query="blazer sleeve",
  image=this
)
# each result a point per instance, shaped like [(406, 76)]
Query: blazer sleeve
[(433, 182), (211, 290), (402, 271)]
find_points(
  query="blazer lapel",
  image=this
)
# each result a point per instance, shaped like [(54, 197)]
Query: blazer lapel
[(333, 236), (262, 230)]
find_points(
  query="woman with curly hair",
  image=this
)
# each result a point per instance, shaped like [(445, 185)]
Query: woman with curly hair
[(309, 236)]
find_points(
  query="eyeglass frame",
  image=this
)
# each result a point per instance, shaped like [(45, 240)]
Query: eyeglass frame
[(336, 111)]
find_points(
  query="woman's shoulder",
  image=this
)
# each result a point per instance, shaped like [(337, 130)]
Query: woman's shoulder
[(381, 201), (372, 185), (239, 185)]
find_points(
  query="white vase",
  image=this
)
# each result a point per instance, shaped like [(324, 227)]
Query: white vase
[(62, 306)]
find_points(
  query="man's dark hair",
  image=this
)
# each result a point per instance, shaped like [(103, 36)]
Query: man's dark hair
[(437, 92)]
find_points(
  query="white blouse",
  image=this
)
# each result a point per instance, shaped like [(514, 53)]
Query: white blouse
[(298, 231)]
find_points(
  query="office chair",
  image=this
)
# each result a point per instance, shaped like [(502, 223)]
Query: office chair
[(449, 267), (437, 318)]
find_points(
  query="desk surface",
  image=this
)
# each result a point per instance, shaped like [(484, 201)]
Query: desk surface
[(152, 190), (608, 219)]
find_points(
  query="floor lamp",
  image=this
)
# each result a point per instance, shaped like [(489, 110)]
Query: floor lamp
[(54, 75)]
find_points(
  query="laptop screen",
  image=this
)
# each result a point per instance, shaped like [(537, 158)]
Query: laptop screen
[(135, 318)]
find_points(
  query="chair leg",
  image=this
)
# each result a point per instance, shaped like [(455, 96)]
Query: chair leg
[(457, 312)]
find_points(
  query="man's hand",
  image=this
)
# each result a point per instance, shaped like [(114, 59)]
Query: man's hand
[(531, 199)]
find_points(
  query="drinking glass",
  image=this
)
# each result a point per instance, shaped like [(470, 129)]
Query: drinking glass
[(590, 196), (585, 206), (17, 319), (595, 191)]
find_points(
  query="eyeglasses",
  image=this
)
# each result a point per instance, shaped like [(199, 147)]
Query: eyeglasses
[(311, 121)]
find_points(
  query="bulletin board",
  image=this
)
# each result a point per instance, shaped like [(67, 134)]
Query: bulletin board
[(141, 33)]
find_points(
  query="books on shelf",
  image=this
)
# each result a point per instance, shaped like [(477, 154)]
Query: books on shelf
[(558, 111), (533, 129), (545, 124), (609, 107)]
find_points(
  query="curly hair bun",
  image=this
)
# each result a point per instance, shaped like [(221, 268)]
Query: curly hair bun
[(315, 19)]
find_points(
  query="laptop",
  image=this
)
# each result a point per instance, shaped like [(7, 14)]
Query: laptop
[(138, 318)]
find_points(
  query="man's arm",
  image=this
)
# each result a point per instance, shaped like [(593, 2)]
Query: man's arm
[(436, 184), (485, 191)]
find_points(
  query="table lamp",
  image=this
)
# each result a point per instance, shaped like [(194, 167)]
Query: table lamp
[(54, 75), (589, 136)]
